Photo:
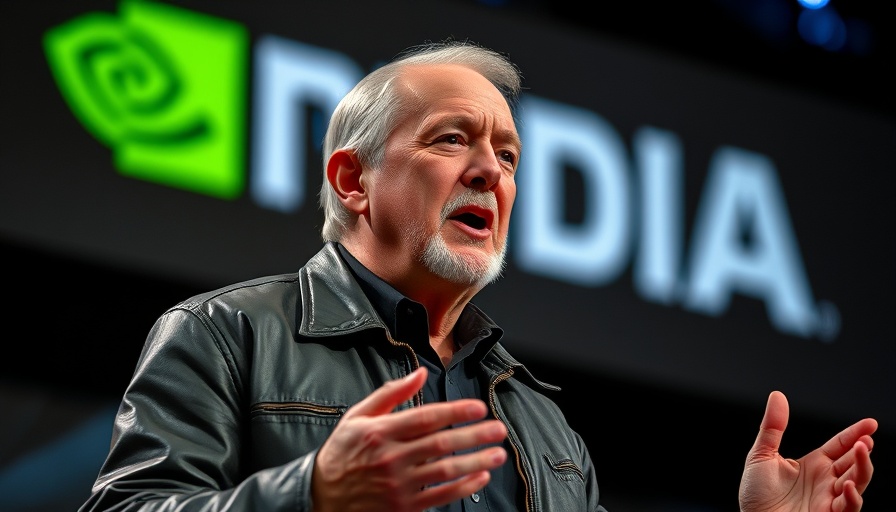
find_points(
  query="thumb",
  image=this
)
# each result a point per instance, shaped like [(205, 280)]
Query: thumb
[(385, 399), (771, 430)]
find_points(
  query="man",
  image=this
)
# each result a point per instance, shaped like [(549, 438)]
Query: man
[(368, 380)]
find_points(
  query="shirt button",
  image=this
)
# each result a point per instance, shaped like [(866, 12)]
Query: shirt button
[(475, 497)]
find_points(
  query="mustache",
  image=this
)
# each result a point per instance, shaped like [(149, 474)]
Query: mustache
[(469, 196)]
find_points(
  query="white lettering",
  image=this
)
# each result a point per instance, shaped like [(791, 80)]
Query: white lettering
[(742, 193), (658, 158), (595, 251), (289, 74)]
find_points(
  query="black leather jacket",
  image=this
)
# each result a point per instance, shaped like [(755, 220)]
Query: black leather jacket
[(236, 389)]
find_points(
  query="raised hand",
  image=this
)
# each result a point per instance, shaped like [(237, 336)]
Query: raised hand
[(831, 478), (377, 459)]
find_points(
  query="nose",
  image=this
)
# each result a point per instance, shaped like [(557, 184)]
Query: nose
[(484, 170)]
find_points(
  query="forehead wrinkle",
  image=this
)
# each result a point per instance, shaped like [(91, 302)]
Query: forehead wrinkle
[(450, 118), (469, 118), (415, 96)]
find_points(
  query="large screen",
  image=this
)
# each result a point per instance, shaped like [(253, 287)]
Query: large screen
[(693, 229)]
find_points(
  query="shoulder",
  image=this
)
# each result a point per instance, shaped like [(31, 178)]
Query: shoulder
[(246, 295)]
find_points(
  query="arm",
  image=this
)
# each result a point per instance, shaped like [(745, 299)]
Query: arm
[(177, 440), (831, 478)]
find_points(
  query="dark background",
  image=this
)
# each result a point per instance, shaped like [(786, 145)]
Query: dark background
[(76, 323)]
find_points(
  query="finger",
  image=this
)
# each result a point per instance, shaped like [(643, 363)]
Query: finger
[(447, 469), (388, 396), (849, 500), (848, 437), (446, 442), (855, 467), (771, 430), (413, 423), (777, 412), (867, 441), (451, 491)]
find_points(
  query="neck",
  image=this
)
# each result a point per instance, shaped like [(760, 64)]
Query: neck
[(444, 300)]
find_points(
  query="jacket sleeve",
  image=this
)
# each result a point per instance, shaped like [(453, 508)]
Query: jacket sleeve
[(590, 480), (176, 443)]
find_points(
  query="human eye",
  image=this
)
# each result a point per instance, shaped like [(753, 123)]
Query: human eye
[(508, 156), (450, 138)]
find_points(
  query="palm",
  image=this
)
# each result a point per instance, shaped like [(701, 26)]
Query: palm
[(831, 478)]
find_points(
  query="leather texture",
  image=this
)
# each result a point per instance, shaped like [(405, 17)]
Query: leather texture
[(236, 390)]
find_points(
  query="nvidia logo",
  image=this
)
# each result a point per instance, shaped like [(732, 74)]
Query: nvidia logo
[(163, 87)]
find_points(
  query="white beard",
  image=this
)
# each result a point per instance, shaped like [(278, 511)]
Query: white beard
[(456, 268)]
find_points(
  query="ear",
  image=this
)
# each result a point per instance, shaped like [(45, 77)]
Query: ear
[(344, 174)]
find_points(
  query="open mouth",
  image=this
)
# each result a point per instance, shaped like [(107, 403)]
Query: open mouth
[(471, 219), (473, 216)]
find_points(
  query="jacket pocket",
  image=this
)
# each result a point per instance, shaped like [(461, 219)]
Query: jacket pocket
[(283, 431), (564, 469)]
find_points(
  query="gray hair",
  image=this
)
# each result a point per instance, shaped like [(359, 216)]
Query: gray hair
[(365, 117)]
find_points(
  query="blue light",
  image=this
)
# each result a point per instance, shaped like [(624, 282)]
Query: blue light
[(60, 471), (822, 27), (813, 4)]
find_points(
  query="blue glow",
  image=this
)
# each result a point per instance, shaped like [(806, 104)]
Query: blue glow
[(61, 471), (813, 4), (822, 28)]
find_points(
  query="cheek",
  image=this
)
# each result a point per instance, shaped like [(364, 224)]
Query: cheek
[(506, 196), (511, 192)]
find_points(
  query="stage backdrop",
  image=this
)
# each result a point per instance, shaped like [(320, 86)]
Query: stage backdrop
[(676, 225)]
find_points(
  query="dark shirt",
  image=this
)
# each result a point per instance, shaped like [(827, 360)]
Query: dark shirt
[(407, 322)]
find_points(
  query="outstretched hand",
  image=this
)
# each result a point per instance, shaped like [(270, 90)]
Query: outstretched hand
[(831, 478), (377, 459)]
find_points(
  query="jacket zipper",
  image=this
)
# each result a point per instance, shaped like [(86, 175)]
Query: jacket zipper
[(530, 505), (322, 410), (413, 364)]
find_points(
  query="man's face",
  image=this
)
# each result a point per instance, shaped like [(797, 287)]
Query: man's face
[(446, 188)]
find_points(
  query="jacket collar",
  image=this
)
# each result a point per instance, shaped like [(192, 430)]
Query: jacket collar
[(332, 302)]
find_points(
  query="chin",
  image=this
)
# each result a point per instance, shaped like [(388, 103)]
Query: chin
[(462, 267)]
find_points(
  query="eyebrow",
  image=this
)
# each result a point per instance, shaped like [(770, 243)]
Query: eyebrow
[(512, 137), (461, 120)]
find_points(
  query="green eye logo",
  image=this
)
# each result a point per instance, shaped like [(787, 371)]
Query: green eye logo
[(163, 87)]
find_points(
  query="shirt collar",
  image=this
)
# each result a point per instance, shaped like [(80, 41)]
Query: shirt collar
[(407, 319)]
